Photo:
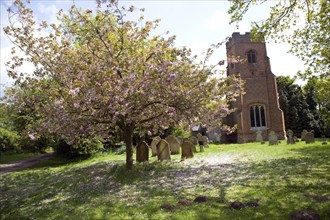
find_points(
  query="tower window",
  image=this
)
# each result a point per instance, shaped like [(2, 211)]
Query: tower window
[(251, 56), (257, 116)]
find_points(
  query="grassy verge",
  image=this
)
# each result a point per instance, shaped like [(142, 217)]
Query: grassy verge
[(282, 179)]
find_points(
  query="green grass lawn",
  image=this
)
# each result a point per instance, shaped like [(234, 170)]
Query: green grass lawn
[(282, 179)]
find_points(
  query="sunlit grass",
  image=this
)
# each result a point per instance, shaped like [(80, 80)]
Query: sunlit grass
[(283, 179)]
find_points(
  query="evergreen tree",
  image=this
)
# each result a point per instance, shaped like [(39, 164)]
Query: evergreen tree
[(317, 122), (300, 106)]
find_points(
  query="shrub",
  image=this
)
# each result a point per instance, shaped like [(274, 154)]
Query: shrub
[(82, 146), (181, 133), (87, 146), (9, 140), (40, 144)]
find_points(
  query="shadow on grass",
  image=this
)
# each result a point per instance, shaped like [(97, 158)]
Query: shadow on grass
[(60, 160), (106, 190)]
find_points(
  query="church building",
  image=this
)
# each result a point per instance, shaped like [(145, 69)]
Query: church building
[(258, 108)]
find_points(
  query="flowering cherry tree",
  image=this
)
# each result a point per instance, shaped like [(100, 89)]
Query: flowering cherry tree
[(96, 71)]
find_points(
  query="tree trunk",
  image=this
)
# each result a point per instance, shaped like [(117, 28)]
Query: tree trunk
[(128, 134)]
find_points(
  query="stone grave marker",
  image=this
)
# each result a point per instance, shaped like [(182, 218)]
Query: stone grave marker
[(194, 141), (187, 150), (142, 152), (272, 138), (309, 138), (174, 144), (153, 145), (303, 133), (214, 135), (291, 139), (259, 137), (163, 150)]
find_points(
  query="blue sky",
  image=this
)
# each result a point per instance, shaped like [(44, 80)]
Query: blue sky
[(196, 24)]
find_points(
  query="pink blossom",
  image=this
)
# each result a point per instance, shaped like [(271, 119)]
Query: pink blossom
[(76, 105), (32, 137), (73, 92), (57, 103)]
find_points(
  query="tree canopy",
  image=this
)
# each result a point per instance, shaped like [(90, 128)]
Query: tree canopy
[(309, 41), (96, 72), (300, 106)]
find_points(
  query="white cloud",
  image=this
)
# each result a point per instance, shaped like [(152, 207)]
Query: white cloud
[(282, 62), (49, 11), (217, 21)]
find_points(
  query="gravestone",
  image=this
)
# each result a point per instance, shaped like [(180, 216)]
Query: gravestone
[(259, 137), (187, 150), (272, 138), (291, 139), (194, 141), (309, 138), (214, 135), (142, 152), (163, 150), (153, 145), (303, 133), (174, 144)]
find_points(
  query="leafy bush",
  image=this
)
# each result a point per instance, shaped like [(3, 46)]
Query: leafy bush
[(120, 150), (82, 146), (9, 140), (40, 144), (181, 133), (88, 146)]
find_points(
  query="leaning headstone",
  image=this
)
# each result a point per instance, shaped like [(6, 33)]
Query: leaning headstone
[(142, 152), (303, 133), (309, 138), (174, 144), (153, 145), (290, 139), (272, 138), (187, 150), (259, 137), (163, 150)]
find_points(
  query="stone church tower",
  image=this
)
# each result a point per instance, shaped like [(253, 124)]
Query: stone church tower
[(258, 108)]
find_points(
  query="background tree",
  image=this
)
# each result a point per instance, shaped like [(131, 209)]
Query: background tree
[(309, 41), (299, 106), (317, 103), (95, 71)]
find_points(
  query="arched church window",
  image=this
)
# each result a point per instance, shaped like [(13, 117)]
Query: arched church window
[(251, 56), (257, 116)]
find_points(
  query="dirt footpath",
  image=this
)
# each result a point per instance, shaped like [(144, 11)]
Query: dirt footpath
[(22, 164)]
